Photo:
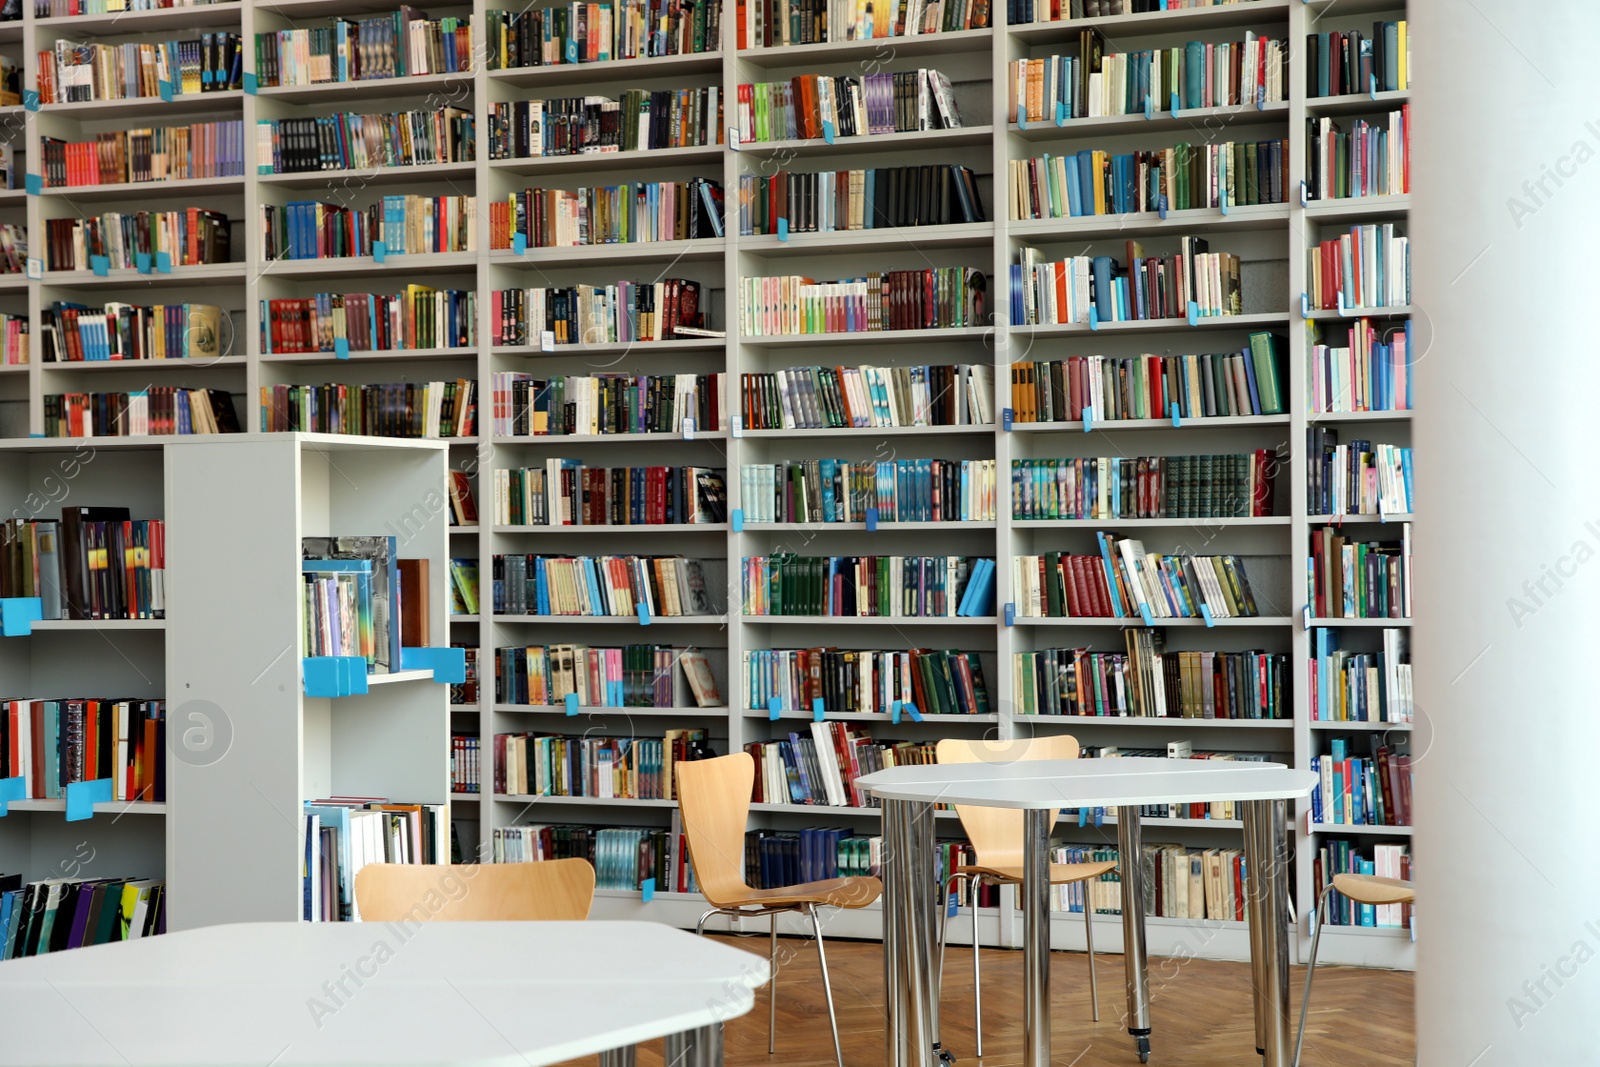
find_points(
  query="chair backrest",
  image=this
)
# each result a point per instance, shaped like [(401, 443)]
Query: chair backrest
[(996, 833), (485, 892), (714, 797)]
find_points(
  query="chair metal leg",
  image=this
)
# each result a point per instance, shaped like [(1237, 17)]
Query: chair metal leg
[(827, 987), (1317, 921), (700, 927), (772, 990), (944, 929), (977, 972), (1088, 937)]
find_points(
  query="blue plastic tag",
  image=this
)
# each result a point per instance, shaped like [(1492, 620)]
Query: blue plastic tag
[(379, 251), (1223, 202), (1372, 86), (11, 789), (1006, 415), (827, 130), (894, 712), (250, 83), (644, 614), (572, 704), (952, 904), (1022, 117), (1174, 103), (1205, 613), (1088, 419), (1161, 205), (736, 520), (519, 243), (774, 708), (1094, 317), (647, 890), (1305, 617), (1177, 420), (341, 347), (816, 709), (1061, 113), (1194, 313), (18, 614), (783, 229), (143, 262), (33, 183), (101, 265), (1083, 816), (1099, 816), (1144, 613), (911, 710), (30, 99), (572, 50), (1305, 306), (1149, 106), (872, 520), (1303, 200), (165, 89), (164, 262), (83, 796), (1011, 614)]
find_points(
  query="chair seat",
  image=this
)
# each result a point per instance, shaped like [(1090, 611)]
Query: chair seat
[(1060, 873), (1371, 889), (854, 892)]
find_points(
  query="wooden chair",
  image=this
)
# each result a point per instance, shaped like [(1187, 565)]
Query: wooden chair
[(548, 890), (996, 837), (1363, 889), (714, 797)]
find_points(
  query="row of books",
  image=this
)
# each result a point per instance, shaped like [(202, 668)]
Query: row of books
[(1372, 790), (1192, 281), (1368, 159), (466, 764), (401, 224), (1181, 882), (819, 766), (344, 834), (1372, 372), (627, 676), (1145, 487), (638, 120), (813, 107), (623, 312), (61, 9), (78, 333), (887, 197), (1369, 267), (1064, 10), (75, 71), (1358, 478), (61, 913), (93, 563), (137, 240), (774, 859), (150, 154), (591, 33), (779, 23), (605, 404), (385, 409), (1344, 857), (934, 298), (558, 765), (564, 492), (623, 858), (361, 599), (1097, 82), (159, 410), (399, 44), (419, 317), (1183, 177), (1115, 389), (868, 586), (1215, 809), (629, 213), (1351, 579), (51, 744), (1124, 581), (611, 586), (1341, 63), (891, 490), (1148, 681), (14, 343), (821, 397), (936, 681), (1351, 686), (349, 140)]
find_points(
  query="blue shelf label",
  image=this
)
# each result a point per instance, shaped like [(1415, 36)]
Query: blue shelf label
[(1205, 612), (872, 520), (1061, 113), (736, 519), (143, 262), (1011, 614), (164, 262), (1174, 103), (83, 796), (1144, 613), (911, 710), (644, 614), (101, 265), (30, 99), (783, 229), (341, 347), (774, 708), (448, 663), (334, 676), (1022, 117), (1094, 317), (1149, 106), (894, 712), (1088, 419), (1223, 200), (1305, 306), (1177, 419), (1083, 816), (816, 709), (1194, 313), (647, 890), (34, 184), (519, 243), (379, 251), (572, 704), (827, 131), (165, 89), (11, 789), (18, 614), (250, 83), (1006, 415)]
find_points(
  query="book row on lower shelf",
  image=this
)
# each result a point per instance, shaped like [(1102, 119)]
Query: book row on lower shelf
[(1190, 282), (1369, 267), (93, 563), (822, 397), (1344, 857), (623, 857), (638, 120), (342, 323), (356, 141), (885, 682), (1149, 680), (1125, 581), (604, 404), (627, 676), (1358, 478), (1097, 82), (438, 409), (566, 493), (557, 765), (54, 914), (77, 333), (54, 744), (1361, 686), (1219, 810), (401, 223), (592, 33), (812, 106), (819, 766), (1340, 62), (397, 44), (1368, 159), (626, 213), (1351, 579), (138, 240), (1361, 790), (1183, 177), (1112, 389), (663, 309), (840, 490), (611, 586), (934, 298), (781, 23), (1372, 372), (889, 587), (343, 834), (77, 71), (146, 154), (830, 201), (160, 410), (1145, 487)]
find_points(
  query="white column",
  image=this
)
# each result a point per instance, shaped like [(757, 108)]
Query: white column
[(1506, 212)]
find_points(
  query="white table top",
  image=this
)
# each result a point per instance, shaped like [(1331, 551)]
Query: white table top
[(525, 994), (1089, 783)]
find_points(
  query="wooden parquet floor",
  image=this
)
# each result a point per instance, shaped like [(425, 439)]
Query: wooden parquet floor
[(1200, 1012)]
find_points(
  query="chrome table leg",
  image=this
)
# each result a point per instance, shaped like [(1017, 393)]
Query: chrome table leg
[(1130, 842)]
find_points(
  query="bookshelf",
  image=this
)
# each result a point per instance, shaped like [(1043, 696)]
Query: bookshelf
[(1271, 239)]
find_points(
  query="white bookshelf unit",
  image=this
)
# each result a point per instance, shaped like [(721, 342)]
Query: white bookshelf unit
[(1273, 241)]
